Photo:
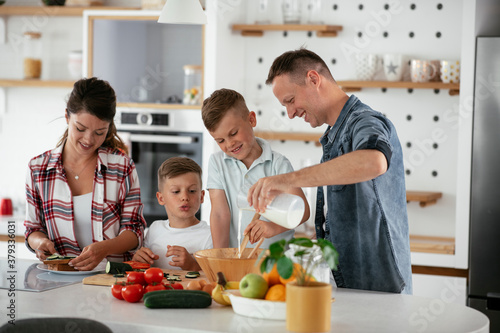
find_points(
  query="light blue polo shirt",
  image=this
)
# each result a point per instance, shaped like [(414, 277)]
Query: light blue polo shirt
[(229, 174)]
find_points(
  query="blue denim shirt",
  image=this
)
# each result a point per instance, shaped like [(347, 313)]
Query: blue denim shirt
[(367, 222)]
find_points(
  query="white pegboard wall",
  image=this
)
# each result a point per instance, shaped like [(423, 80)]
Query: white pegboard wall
[(428, 30)]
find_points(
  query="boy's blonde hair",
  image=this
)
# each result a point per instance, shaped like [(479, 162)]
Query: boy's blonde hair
[(216, 106), (176, 166)]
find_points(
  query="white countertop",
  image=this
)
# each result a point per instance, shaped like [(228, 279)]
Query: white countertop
[(352, 311)]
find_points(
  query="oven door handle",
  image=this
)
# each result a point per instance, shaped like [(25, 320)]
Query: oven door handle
[(161, 138)]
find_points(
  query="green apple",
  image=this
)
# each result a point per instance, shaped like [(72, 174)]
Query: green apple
[(253, 286)]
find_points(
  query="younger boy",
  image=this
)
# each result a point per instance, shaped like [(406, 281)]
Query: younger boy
[(170, 243), (244, 159)]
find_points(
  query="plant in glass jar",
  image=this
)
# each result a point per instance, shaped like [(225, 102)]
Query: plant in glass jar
[(308, 302), (309, 254)]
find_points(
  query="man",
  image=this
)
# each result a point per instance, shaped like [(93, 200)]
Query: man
[(361, 169)]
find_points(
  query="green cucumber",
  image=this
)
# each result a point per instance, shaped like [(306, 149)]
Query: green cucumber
[(192, 275), (180, 299), (59, 257), (176, 291), (113, 267)]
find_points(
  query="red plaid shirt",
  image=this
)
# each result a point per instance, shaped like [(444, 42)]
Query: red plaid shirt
[(116, 201)]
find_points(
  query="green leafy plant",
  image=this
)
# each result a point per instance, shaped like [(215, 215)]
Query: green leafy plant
[(285, 266)]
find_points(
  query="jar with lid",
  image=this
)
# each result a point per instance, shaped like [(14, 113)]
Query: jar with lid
[(75, 64), (32, 55), (192, 85)]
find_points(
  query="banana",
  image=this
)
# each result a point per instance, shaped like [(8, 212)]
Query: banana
[(219, 296), (232, 285), (218, 293)]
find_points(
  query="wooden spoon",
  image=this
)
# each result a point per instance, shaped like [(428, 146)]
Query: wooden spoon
[(244, 242), (259, 243), (243, 245)]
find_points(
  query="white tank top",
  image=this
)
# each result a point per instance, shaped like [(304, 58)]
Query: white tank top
[(82, 205)]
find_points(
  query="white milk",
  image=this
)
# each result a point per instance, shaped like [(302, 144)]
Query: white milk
[(240, 216), (287, 219), (286, 210)]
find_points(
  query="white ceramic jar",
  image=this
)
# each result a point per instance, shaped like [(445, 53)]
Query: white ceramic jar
[(75, 64)]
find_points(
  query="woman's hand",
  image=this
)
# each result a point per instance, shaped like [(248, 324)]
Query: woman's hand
[(44, 249), (181, 258), (145, 255), (90, 257)]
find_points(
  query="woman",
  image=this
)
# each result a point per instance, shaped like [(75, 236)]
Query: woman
[(83, 197)]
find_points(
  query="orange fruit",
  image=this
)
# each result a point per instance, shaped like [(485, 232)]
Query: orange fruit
[(296, 269), (276, 293), (272, 277)]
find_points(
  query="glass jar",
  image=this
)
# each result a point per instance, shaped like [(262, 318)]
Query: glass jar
[(75, 59), (32, 55), (314, 12), (262, 16), (192, 85), (291, 11)]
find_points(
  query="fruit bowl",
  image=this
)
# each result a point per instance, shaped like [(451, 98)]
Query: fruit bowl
[(257, 308), (226, 260)]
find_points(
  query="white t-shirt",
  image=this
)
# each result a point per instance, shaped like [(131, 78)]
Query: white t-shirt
[(160, 234), (83, 219)]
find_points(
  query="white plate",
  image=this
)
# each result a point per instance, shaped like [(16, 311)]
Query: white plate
[(257, 308), (50, 276), (98, 269)]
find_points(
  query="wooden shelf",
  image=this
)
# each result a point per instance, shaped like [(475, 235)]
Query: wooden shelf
[(17, 239), (284, 136), (159, 106), (54, 10), (424, 198), (257, 30), (432, 244), (348, 86), (424, 244), (441, 271), (36, 83)]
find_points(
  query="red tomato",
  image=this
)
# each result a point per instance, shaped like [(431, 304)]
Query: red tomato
[(116, 290), (153, 287), (132, 292), (136, 278), (176, 285), (137, 264), (153, 274)]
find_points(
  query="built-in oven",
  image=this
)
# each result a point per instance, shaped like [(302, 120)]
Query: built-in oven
[(154, 136)]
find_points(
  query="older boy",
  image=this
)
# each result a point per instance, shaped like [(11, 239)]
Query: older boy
[(242, 161), (170, 243)]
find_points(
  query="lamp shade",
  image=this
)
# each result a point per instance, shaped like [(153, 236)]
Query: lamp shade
[(182, 12)]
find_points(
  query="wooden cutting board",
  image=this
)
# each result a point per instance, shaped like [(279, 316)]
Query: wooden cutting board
[(108, 279)]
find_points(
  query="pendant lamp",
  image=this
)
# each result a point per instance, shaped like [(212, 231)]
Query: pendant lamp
[(182, 12)]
